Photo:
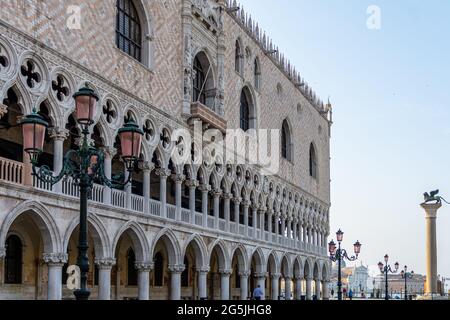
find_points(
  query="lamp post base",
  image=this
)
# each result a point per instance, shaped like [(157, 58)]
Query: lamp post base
[(82, 295)]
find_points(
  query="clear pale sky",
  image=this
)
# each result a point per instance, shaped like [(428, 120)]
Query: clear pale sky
[(391, 97)]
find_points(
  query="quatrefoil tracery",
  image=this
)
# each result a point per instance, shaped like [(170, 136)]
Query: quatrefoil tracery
[(109, 112), (28, 72), (61, 90)]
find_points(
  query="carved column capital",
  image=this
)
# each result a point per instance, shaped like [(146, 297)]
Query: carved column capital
[(245, 274), (105, 264), (205, 188), (192, 184), (55, 258), (178, 178), (275, 276), (177, 268), (58, 134), (260, 275), (237, 200), (217, 193), (148, 166), (144, 266), (226, 272), (109, 152), (227, 196), (163, 173), (204, 269)]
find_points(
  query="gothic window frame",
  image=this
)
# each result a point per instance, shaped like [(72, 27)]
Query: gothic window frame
[(198, 85), (238, 57), (286, 141), (313, 163), (145, 37), (247, 110), (257, 73)]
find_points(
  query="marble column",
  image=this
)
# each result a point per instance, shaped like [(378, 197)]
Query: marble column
[(262, 220), (325, 290), (192, 185), (146, 184), (237, 213), (216, 197), (255, 221), (277, 226), (261, 281), (175, 282), (104, 277), (58, 135), (269, 221), (283, 226), (308, 288), (109, 153), (225, 284), (2, 262), (244, 285), (128, 189), (226, 206), (178, 179), (318, 291), (298, 287), (287, 288), (431, 210), (163, 174), (144, 269), (205, 189), (55, 263), (202, 283), (246, 208), (275, 294)]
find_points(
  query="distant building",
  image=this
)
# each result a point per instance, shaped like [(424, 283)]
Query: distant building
[(357, 281), (396, 285)]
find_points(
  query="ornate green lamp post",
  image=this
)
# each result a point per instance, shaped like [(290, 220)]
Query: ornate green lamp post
[(85, 165), (338, 254), (386, 269), (406, 275)]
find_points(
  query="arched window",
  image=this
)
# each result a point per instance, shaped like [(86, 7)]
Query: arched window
[(312, 162), (131, 268), (239, 56), (245, 112), (159, 270), (128, 29), (199, 83), (185, 274), (13, 260), (286, 145), (257, 75)]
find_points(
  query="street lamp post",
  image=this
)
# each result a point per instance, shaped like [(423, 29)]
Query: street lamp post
[(85, 165), (406, 275), (386, 269), (338, 254)]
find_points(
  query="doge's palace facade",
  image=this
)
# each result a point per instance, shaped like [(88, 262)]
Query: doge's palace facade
[(192, 231)]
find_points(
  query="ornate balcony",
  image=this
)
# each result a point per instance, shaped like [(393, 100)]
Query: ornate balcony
[(201, 112)]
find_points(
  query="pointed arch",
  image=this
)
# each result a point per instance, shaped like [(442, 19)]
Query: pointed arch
[(259, 259), (138, 238), (44, 220), (201, 252), (238, 56), (298, 267), (240, 252), (170, 242), (286, 266), (220, 248), (257, 73), (102, 242), (203, 81), (273, 265)]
